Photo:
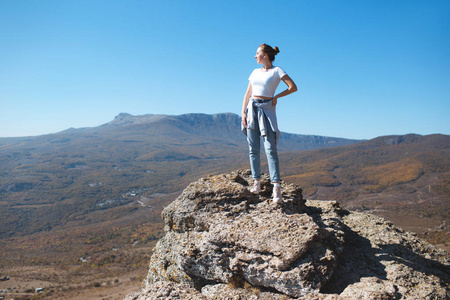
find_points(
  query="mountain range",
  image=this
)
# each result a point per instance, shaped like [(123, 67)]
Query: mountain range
[(96, 192), (75, 171), (72, 173)]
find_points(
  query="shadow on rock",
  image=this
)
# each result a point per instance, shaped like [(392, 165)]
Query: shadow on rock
[(358, 259), (221, 240)]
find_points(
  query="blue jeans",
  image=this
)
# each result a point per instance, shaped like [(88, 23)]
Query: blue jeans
[(254, 145)]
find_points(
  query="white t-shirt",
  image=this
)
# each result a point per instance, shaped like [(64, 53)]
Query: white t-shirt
[(264, 83)]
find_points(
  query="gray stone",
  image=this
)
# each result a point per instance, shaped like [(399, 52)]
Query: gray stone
[(166, 290), (222, 242), (217, 231)]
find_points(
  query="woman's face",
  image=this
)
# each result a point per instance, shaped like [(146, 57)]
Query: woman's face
[(260, 56)]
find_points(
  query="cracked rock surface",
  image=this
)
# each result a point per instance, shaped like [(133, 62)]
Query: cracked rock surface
[(222, 242)]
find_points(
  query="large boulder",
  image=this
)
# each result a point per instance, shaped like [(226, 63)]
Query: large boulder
[(222, 242)]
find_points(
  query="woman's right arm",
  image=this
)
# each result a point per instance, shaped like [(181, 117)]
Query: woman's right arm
[(248, 93)]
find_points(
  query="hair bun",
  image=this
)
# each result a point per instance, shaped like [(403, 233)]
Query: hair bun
[(271, 52)]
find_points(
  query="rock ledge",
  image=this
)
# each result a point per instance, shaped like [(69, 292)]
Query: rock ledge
[(222, 242)]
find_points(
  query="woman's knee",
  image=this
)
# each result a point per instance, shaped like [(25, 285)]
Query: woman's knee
[(272, 153)]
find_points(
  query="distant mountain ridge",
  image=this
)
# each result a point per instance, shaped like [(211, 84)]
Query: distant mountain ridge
[(80, 192), (227, 124), (163, 153), (223, 125)]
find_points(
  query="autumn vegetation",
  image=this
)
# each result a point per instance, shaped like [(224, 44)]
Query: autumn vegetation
[(80, 210)]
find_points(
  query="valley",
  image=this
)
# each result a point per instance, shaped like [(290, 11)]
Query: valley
[(80, 209)]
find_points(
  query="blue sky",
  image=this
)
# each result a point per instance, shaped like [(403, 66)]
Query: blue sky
[(363, 68)]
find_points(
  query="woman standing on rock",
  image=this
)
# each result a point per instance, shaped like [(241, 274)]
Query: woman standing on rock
[(259, 117)]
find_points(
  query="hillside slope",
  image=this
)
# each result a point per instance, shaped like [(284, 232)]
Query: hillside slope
[(83, 207), (49, 180), (403, 178)]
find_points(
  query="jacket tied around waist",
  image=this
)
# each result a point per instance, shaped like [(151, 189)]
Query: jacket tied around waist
[(262, 113)]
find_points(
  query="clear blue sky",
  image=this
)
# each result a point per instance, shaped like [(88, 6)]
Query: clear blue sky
[(363, 68)]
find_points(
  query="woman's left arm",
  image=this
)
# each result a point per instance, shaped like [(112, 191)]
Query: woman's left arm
[(292, 87)]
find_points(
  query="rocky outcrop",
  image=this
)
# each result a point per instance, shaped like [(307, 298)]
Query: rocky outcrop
[(222, 242)]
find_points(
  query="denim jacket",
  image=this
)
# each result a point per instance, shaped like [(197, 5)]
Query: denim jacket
[(264, 114)]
